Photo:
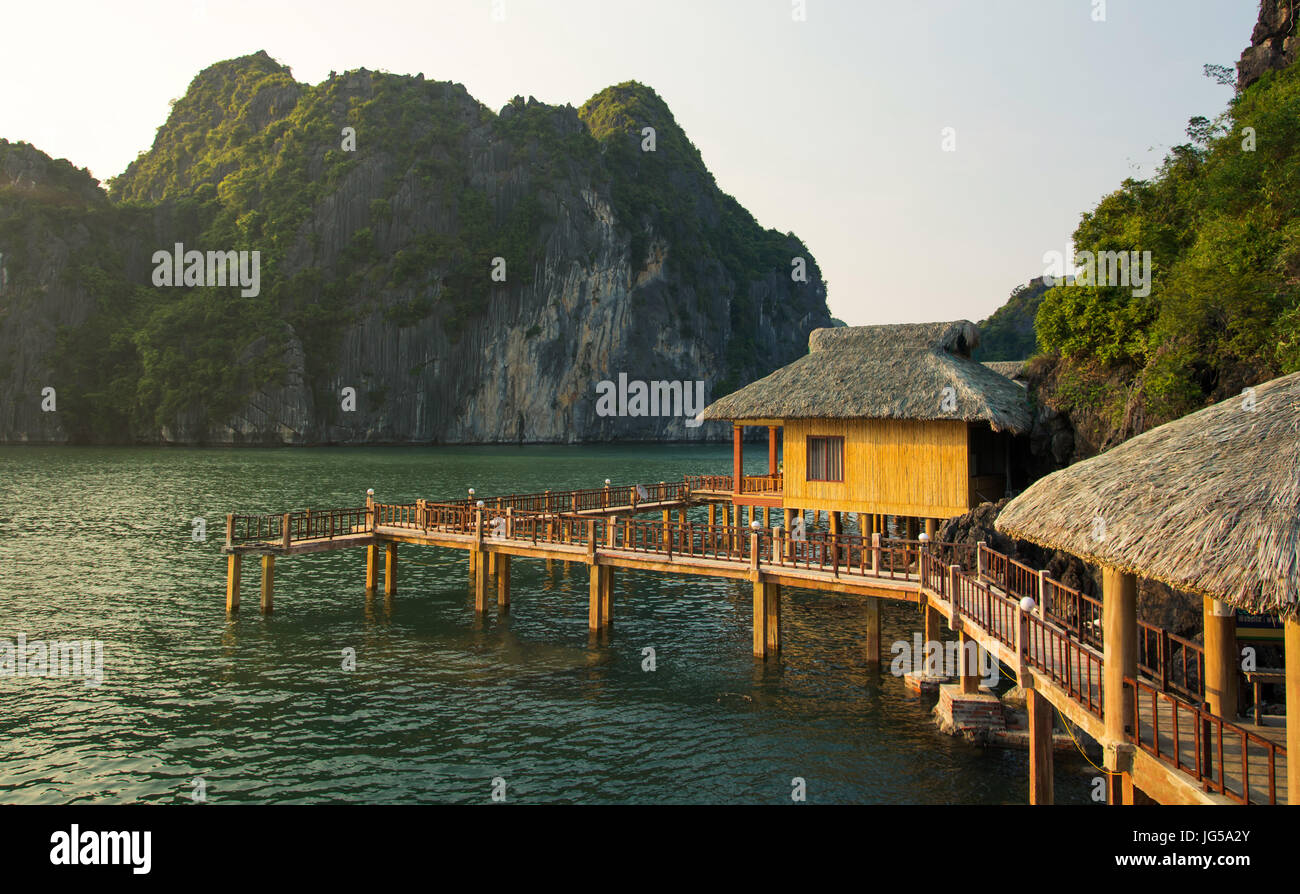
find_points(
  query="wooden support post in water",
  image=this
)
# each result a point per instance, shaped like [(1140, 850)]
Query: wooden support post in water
[(767, 618), (1041, 771), (713, 514), (932, 622), (1221, 657), (596, 601), (1291, 636), (767, 517), (478, 561), (372, 568), (607, 594), (835, 522), (268, 582), (390, 569), (969, 656), (1119, 648), (503, 582), (872, 645), (234, 569)]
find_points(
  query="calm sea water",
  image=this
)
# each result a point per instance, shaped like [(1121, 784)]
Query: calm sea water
[(97, 544)]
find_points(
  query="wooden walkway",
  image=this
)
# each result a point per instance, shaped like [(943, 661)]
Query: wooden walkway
[(1181, 751)]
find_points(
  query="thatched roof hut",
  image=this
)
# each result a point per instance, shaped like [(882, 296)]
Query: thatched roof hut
[(1012, 369), (1208, 504), (884, 372)]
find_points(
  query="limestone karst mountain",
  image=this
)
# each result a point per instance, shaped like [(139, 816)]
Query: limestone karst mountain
[(377, 268)]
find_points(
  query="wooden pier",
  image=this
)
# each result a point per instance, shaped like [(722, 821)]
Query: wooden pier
[(1160, 740)]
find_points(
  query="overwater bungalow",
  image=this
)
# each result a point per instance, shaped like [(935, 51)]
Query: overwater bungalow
[(881, 421), (1210, 505)]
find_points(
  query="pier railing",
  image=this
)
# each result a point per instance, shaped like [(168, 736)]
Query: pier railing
[(1061, 637), (1218, 753), (286, 528)]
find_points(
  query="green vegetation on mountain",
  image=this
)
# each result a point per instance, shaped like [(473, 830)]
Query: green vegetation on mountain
[(1008, 334), (1221, 222), (659, 192), (407, 223)]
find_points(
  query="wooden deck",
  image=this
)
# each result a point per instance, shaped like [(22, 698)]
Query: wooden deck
[(1180, 753)]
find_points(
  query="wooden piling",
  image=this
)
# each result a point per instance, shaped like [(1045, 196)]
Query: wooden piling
[(390, 569), (872, 644), (598, 603), (268, 582), (234, 570), (372, 568), (969, 657), (767, 618), (503, 582), (1041, 770)]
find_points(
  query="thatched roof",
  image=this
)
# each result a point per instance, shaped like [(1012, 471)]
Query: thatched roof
[(1208, 504), (1012, 369), (884, 372)]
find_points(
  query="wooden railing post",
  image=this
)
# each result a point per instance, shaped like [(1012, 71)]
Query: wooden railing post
[(753, 551), (591, 541), (510, 521), (979, 559), (1043, 575), (230, 529), (875, 553), (284, 530), (953, 589), (1164, 661)]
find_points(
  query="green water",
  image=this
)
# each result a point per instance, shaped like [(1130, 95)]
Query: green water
[(97, 544)]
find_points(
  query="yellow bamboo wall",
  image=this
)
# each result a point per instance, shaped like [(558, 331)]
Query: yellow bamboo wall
[(891, 466)]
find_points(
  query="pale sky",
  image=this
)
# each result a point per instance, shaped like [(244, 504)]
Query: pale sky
[(831, 127)]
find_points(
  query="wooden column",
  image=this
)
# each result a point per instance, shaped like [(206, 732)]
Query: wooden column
[(234, 570), (713, 514), (597, 602), (737, 457), (1041, 782), (867, 522), (1119, 652), (767, 517), (788, 518), (1221, 657), (836, 522), (478, 562), (970, 675), (372, 568), (931, 528), (1291, 634), (667, 539), (503, 582), (492, 563), (933, 620), (872, 645), (767, 618), (390, 569), (607, 594), (268, 582), (771, 450)]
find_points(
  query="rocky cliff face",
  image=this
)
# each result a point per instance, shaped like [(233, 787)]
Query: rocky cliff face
[(458, 276), (1273, 44)]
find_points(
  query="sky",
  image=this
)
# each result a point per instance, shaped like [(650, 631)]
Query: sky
[(830, 124)]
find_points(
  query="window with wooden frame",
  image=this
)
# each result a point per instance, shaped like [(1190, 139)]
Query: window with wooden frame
[(825, 458)]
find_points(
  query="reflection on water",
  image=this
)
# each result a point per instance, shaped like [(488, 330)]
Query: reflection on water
[(96, 544)]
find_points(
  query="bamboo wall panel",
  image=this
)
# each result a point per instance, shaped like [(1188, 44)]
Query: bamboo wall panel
[(891, 466)]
